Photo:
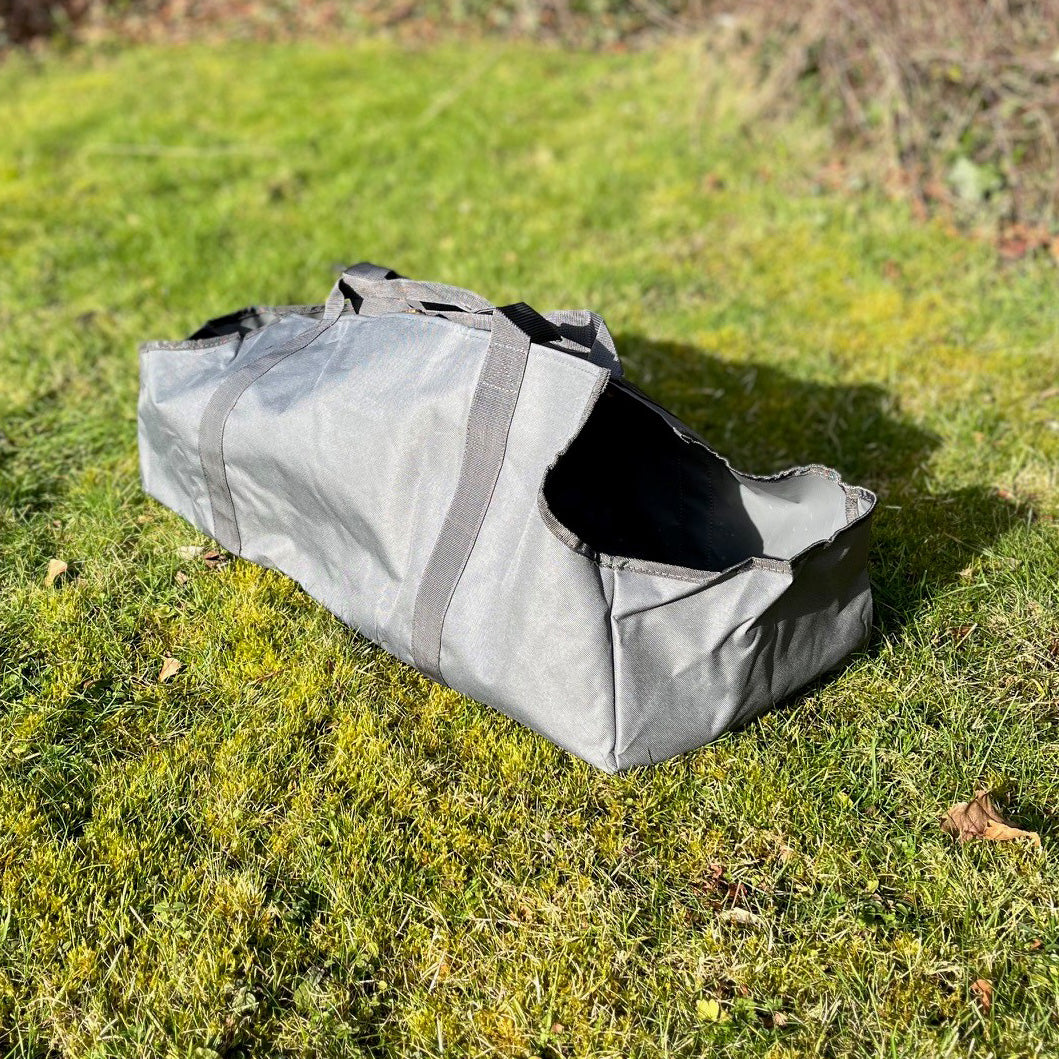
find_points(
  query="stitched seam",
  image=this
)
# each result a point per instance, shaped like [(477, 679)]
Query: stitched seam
[(613, 665)]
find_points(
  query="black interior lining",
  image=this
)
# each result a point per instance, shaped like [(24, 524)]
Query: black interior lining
[(631, 486)]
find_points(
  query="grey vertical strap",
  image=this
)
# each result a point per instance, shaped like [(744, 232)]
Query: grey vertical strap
[(488, 425), (219, 407)]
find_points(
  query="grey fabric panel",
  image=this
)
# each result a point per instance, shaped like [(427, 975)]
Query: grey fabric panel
[(793, 512), (488, 423), (175, 387), (681, 652), (225, 527), (177, 381), (325, 462), (692, 661)]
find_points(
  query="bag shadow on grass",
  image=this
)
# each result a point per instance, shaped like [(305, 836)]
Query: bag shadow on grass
[(764, 420)]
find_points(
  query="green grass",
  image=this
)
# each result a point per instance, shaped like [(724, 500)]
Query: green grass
[(300, 847)]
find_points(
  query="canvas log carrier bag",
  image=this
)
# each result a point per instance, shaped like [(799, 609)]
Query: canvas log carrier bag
[(478, 490)]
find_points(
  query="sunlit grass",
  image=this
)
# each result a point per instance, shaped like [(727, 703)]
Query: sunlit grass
[(297, 846)]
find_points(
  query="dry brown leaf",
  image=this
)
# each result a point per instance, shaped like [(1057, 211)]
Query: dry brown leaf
[(741, 916), (214, 558), (170, 667), (982, 989), (182, 578), (56, 569), (978, 818)]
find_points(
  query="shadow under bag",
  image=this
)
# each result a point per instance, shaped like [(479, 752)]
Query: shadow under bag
[(478, 490)]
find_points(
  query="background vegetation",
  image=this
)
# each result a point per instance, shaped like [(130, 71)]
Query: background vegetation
[(959, 101), (296, 846)]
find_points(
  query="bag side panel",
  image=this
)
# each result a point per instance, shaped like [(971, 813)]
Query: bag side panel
[(693, 661), (343, 458), (177, 381), (527, 629), (683, 654), (175, 386), (823, 617)]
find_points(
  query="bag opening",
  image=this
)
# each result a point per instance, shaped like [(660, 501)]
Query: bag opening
[(633, 486), (243, 321)]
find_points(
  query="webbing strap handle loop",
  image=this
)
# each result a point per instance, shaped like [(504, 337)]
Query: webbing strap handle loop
[(375, 289), (365, 282)]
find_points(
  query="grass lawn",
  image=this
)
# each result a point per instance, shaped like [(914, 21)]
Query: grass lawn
[(298, 846)]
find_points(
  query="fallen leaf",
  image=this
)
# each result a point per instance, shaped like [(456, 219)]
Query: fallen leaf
[(214, 558), (982, 989), (170, 667), (978, 818), (189, 551), (741, 916), (56, 569), (1017, 240), (181, 577)]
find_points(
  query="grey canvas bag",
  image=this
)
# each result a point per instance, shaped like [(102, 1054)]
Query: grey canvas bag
[(478, 490)]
